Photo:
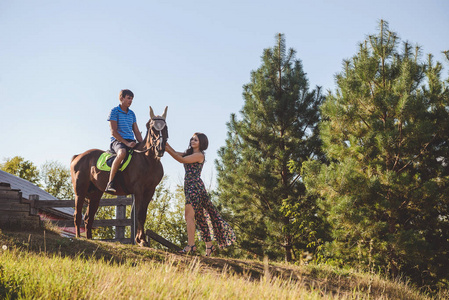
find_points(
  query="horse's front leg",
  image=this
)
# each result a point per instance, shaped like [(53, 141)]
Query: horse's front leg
[(141, 205), (94, 202)]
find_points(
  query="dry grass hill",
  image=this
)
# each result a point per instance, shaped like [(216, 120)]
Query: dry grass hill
[(42, 264)]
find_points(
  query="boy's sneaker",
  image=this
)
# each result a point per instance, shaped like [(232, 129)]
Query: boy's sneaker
[(110, 187)]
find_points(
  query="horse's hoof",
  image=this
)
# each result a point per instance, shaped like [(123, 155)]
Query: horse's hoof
[(143, 243)]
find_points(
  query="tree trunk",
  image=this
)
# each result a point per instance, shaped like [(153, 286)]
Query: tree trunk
[(288, 243)]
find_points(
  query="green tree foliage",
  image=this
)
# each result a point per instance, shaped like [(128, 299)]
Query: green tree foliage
[(166, 215), (255, 184), (57, 180), (385, 133), (22, 168)]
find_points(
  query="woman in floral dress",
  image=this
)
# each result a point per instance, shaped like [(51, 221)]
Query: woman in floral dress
[(199, 208)]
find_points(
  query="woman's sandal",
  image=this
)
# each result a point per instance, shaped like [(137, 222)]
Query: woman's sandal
[(212, 250), (188, 250)]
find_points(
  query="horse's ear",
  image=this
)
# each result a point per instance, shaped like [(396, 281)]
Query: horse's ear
[(165, 113), (151, 113)]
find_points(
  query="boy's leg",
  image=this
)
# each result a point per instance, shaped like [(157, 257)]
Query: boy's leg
[(120, 149)]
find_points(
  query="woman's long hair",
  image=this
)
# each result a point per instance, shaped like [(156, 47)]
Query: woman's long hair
[(204, 143)]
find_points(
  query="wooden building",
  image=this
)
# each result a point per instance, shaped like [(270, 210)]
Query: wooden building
[(15, 210)]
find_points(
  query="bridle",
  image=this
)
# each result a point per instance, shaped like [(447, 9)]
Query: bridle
[(158, 124)]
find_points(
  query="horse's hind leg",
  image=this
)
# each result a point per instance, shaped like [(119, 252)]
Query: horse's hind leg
[(79, 202), (80, 182), (94, 202)]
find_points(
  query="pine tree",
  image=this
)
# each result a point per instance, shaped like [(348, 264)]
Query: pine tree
[(385, 133), (254, 179)]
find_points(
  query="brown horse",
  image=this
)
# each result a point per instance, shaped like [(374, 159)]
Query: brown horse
[(140, 177)]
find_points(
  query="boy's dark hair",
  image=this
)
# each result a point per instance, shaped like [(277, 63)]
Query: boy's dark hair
[(124, 93)]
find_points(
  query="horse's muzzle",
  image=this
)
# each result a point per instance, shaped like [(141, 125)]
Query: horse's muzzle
[(160, 151)]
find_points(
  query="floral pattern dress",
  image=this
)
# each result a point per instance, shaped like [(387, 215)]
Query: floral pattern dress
[(208, 221)]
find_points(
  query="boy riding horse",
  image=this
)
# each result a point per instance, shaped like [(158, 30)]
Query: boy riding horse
[(123, 129)]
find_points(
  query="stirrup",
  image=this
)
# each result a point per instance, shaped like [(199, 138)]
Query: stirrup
[(212, 250), (192, 250), (110, 187)]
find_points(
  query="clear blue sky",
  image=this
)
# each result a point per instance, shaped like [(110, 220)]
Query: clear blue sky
[(63, 63)]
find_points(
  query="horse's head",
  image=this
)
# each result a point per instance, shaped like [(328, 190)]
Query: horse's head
[(158, 132)]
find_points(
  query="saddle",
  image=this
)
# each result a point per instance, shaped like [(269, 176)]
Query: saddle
[(106, 159)]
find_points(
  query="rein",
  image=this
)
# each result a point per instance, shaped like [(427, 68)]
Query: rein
[(143, 151)]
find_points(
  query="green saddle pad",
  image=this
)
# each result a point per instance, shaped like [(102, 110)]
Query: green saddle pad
[(105, 160)]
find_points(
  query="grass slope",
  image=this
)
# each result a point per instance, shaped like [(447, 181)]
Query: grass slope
[(42, 264)]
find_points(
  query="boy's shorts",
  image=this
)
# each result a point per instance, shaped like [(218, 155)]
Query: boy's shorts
[(116, 145)]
